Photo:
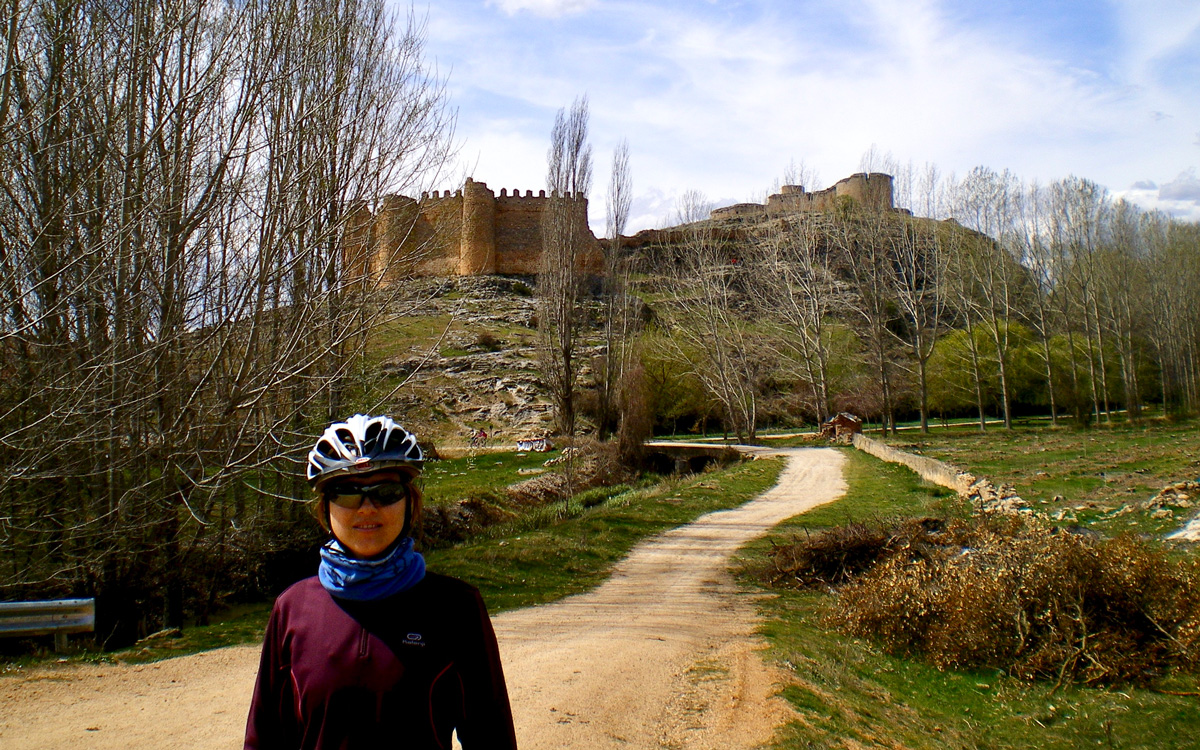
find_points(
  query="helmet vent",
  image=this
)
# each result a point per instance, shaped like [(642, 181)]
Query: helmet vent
[(347, 438), (372, 435), (326, 449), (395, 442)]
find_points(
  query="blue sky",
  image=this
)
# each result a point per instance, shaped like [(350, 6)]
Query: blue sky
[(720, 97)]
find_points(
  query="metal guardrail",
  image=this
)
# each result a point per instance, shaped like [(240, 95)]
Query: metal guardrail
[(58, 617)]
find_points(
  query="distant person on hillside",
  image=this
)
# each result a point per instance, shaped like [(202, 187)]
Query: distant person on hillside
[(373, 651)]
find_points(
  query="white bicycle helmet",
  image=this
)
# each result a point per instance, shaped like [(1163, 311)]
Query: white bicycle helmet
[(360, 445)]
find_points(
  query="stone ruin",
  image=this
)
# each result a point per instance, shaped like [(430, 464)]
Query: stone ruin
[(871, 190)]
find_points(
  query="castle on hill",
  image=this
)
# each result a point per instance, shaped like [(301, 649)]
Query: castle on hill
[(474, 232)]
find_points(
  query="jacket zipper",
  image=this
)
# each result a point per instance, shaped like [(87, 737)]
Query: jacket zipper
[(362, 644)]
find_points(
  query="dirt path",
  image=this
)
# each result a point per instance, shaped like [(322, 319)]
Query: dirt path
[(661, 655)]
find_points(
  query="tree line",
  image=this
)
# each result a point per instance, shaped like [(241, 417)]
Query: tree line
[(986, 295), (181, 184)]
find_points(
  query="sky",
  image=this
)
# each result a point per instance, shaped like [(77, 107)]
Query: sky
[(721, 97)]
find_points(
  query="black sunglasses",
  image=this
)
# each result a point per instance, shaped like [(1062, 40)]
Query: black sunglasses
[(351, 496)]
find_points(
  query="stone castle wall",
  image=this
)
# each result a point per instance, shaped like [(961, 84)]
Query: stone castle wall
[(872, 191), (473, 231), (519, 231), (469, 232)]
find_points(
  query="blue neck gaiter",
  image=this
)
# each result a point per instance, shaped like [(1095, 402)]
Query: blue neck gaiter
[(364, 580)]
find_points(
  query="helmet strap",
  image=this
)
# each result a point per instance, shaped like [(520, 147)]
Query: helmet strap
[(408, 512)]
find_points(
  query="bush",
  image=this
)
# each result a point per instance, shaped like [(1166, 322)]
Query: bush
[(596, 464), (1012, 594), (445, 525), (832, 557), (637, 418), (488, 342), (590, 498)]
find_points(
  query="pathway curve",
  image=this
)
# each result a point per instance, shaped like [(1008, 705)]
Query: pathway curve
[(660, 655)]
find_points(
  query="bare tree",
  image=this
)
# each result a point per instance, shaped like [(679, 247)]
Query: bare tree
[(1122, 284), (861, 238), (1173, 274), (1076, 220), (802, 173), (1036, 255), (564, 233), (797, 286), (960, 287), (874, 160), (986, 202), (712, 334), (796, 173), (618, 318), (919, 268), (692, 206)]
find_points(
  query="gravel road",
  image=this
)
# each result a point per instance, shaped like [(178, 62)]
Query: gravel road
[(663, 654)]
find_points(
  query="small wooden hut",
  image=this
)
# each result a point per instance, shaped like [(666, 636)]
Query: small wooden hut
[(841, 427)]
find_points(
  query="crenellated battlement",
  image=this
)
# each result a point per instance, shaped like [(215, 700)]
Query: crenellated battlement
[(516, 195), (466, 232), (444, 195)]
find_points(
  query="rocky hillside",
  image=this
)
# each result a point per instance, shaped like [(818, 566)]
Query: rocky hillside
[(463, 357)]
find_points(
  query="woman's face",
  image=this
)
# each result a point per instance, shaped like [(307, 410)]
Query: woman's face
[(368, 530)]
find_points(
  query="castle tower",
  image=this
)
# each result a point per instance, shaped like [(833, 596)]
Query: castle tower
[(880, 191), (872, 190), (477, 246)]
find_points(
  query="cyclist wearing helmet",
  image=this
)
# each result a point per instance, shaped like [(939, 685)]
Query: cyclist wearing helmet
[(374, 651)]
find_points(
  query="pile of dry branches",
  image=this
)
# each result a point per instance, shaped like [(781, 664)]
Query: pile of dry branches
[(1039, 602)]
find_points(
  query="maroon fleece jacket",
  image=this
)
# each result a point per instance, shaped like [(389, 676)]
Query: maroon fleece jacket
[(401, 672)]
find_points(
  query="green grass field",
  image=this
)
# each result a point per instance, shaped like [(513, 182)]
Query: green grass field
[(481, 473), (1095, 471), (846, 692)]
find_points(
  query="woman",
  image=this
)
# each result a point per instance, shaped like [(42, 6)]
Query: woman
[(375, 652)]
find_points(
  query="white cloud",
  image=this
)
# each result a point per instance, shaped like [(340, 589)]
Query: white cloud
[(748, 97), (1153, 29), (719, 97), (507, 158), (1179, 198), (548, 8), (1185, 187)]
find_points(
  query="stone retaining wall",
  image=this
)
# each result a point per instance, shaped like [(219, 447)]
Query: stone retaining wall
[(929, 469)]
